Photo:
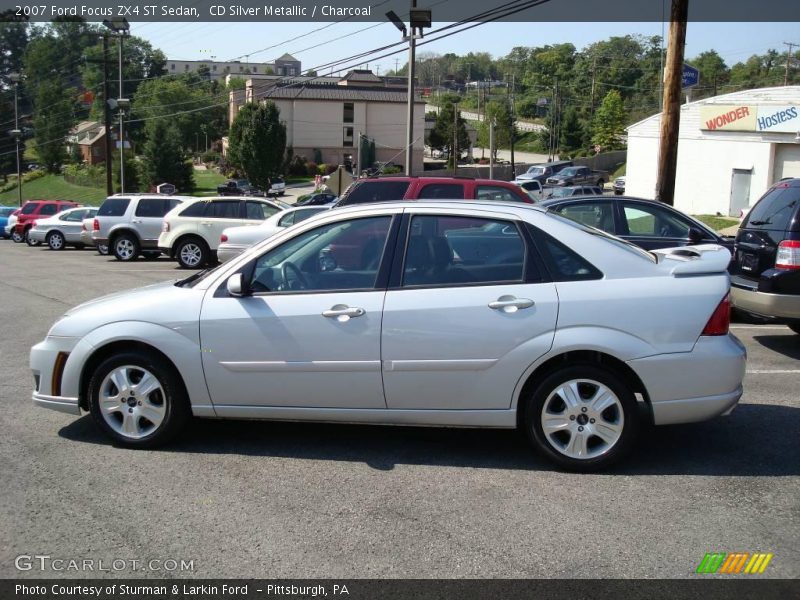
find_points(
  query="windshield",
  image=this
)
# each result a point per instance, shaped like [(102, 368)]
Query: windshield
[(568, 171), (4, 212), (536, 171), (560, 192)]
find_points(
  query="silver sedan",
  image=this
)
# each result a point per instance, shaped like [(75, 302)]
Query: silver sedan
[(461, 314), (62, 229), (236, 240)]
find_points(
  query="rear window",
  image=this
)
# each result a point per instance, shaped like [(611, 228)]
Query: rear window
[(113, 207), (451, 191), (775, 210), (194, 210), (374, 191)]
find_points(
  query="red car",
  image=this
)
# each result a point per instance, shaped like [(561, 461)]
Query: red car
[(36, 209), (386, 189)]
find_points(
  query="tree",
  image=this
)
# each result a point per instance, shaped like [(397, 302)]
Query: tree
[(132, 167), (504, 125), (257, 141), (164, 160), (13, 41), (441, 136), (609, 122), (572, 133), (53, 118)]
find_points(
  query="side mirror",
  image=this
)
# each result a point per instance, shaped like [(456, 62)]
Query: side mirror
[(695, 235), (235, 286)]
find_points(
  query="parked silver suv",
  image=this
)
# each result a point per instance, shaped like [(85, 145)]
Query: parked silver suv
[(129, 224)]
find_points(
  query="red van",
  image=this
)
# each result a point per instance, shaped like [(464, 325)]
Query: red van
[(389, 188)]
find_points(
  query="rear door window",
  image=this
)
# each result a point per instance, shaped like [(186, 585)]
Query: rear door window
[(593, 214), (152, 207), (48, 209), (495, 193), (222, 209), (113, 207), (258, 211), (447, 191), (775, 210)]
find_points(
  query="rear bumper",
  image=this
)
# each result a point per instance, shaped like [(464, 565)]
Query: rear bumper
[(86, 238), (36, 235), (694, 386), (746, 296), (226, 252)]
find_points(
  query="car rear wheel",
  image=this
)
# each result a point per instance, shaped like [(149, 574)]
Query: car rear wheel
[(17, 237), (102, 249), (55, 240), (126, 247), (137, 400), (583, 418), (192, 253)]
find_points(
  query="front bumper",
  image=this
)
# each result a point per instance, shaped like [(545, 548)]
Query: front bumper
[(47, 392), (687, 387)]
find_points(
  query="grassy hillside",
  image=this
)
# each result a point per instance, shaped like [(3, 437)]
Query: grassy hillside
[(53, 187)]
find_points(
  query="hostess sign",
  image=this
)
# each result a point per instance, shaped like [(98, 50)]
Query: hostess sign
[(743, 117)]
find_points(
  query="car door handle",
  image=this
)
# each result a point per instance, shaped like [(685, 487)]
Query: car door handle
[(510, 304), (343, 313), (136, 221), (206, 223)]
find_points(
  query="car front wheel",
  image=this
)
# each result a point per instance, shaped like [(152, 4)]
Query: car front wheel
[(55, 240), (137, 400), (126, 247), (583, 418)]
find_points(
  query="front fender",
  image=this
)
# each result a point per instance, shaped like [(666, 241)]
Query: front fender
[(180, 346)]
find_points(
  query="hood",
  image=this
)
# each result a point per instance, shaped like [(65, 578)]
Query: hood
[(161, 303)]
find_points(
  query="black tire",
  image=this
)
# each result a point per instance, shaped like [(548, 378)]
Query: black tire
[(192, 253), (17, 237), (102, 249), (795, 328), (29, 241), (151, 255), (125, 247), (172, 397), (55, 240), (604, 457)]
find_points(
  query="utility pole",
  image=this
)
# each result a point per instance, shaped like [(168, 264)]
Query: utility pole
[(671, 115), (491, 148), (107, 121), (455, 139), (412, 49), (591, 103), (790, 45), (513, 128)]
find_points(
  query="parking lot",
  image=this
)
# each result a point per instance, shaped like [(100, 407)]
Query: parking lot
[(258, 499)]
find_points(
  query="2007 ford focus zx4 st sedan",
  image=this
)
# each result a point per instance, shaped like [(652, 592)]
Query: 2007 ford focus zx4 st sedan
[(446, 313)]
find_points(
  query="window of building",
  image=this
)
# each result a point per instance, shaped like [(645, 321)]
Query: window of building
[(347, 139), (214, 68), (172, 66), (349, 112), (255, 69), (185, 67)]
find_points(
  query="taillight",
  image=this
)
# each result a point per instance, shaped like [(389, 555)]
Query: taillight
[(95, 225), (165, 227), (788, 255), (720, 320), (223, 238)]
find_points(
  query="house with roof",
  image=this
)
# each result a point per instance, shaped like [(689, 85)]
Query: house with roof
[(89, 136)]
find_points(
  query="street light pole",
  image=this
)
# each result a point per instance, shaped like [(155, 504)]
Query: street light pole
[(120, 27), (17, 133)]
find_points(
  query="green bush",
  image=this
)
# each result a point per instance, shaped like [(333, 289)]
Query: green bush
[(391, 171), (322, 169), (297, 166), (210, 157), (85, 175), (311, 169)]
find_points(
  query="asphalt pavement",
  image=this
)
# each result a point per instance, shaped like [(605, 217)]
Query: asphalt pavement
[(258, 499)]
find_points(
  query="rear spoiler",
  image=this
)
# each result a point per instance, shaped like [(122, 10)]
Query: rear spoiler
[(703, 259)]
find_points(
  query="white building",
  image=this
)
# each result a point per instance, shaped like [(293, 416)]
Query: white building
[(731, 149), (286, 65)]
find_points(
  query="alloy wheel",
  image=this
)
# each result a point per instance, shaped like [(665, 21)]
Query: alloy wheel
[(55, 241), (191, 254), (125, 249), (132, 401), (582, 419)]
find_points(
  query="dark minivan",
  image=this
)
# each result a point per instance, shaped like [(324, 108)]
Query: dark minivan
[(765, 278)]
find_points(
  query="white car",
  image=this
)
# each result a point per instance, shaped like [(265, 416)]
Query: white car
[(10, 230), (191, 232), (62, 229), (437, 313), (87, 226), (236, 240)]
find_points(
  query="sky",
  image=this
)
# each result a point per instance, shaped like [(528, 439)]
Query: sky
[(264, 42)]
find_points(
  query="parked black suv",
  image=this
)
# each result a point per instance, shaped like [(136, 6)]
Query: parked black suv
[(765, 278)]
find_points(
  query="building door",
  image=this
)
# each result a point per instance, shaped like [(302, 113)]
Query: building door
[(787, 161), (740, 191)]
